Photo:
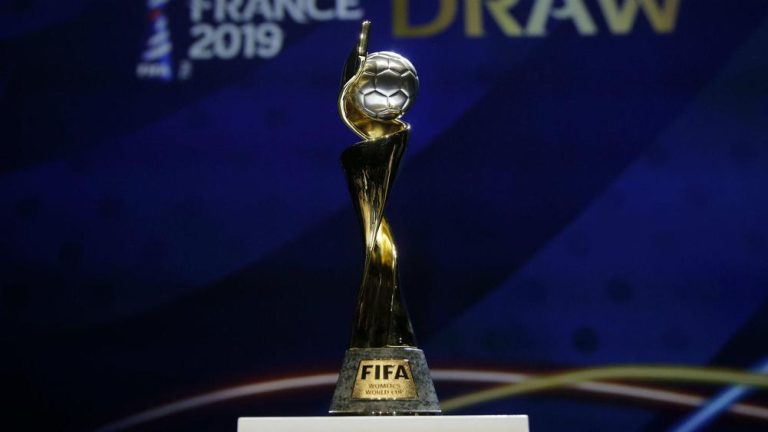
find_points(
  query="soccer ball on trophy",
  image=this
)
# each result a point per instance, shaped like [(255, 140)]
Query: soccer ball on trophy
[(387, 87)]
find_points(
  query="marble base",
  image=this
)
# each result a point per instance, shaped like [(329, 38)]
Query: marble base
[(425, 403)]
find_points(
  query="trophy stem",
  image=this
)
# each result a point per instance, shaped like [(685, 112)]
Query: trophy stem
[(383, 372), (381, 318)]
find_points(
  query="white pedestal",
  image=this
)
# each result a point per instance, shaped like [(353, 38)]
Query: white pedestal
[(517, 423)]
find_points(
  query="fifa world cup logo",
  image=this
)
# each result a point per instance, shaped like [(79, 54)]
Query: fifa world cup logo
[(383, 371)]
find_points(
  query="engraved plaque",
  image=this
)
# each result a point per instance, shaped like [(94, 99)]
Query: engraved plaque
[(386, 379)]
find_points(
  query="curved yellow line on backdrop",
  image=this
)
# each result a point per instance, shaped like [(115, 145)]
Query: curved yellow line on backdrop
[(686, 374)]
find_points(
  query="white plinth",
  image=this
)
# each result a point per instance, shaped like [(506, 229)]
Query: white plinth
[(517, 423)]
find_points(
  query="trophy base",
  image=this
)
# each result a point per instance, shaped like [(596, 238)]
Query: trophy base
[(384, 381)]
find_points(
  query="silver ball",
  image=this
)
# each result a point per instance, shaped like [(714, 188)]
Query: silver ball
[(387, 87)]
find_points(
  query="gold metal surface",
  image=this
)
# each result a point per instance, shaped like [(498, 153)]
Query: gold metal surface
[(385, 379), (381, 319)]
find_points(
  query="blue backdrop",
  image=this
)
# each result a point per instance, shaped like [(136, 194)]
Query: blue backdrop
[(584, 187)]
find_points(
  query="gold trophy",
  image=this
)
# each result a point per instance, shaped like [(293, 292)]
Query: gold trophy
[(383, 373)]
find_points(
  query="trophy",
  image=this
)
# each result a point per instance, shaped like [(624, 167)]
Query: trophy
[(383, 373)]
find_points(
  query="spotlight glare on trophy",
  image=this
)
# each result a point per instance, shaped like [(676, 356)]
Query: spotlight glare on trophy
[(383, 372)]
